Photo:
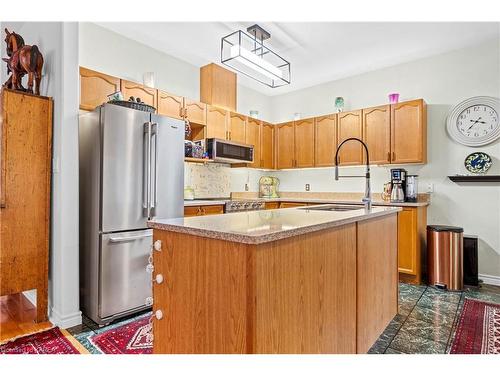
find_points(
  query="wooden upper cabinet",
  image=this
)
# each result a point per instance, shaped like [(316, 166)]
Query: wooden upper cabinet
[(195, 112), (237, 127), (170, 105), (218, 86), (325, 140), (267, 146), (377, 133), (216, 122), (253, 138), (350, 125), (147, 94), (304, 143), (95, 88), (409, 132), (285, 153)]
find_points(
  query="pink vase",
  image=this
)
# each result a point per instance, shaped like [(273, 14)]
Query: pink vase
[(393, 98)]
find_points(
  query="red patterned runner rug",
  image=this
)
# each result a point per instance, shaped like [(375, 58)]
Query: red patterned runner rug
[(132, 338), (478, 330), (51, 341)]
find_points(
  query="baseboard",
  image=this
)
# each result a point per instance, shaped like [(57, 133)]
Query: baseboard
[(490, 279), (31, 296), (67, 321)]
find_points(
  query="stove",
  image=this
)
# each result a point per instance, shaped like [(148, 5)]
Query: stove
[(244, 205)]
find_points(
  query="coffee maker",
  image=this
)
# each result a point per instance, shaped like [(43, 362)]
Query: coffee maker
[(398, 181)]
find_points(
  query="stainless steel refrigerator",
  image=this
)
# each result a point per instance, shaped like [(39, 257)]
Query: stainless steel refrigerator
[(131, 170)]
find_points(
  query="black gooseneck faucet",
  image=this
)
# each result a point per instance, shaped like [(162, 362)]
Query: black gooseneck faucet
[(367, 199)]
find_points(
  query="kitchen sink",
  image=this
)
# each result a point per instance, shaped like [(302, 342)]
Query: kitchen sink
[(333, 207)]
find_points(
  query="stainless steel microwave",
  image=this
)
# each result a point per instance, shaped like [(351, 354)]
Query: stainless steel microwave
[(231, 152)]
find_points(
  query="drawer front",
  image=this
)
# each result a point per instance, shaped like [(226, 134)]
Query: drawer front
[(212, 210), (192, 211), (272, 205), (292, 204)]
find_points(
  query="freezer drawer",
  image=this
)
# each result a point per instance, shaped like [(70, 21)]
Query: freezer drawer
[(124, 283)]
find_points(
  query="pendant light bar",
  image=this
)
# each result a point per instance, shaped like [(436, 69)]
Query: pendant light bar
[(248, 55)]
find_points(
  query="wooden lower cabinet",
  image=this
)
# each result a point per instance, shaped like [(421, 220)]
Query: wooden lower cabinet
[(272, 205), (26, 159), (329, 291), (215, 209), (292, 204), (412, 224)]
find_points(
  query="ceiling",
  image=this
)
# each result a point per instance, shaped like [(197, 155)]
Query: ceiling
[(318, 51)]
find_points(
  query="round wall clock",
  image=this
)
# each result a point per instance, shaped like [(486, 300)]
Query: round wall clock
[(475, 121)]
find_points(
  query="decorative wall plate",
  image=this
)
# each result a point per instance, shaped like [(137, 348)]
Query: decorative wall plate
[(475, 121), (478, 162)]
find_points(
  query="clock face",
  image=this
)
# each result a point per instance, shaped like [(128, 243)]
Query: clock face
[(477, 121)]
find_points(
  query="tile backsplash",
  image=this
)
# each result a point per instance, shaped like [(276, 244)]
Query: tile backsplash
[(208, 181), (215, 180)]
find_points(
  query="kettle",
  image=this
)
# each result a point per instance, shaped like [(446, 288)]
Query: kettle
[(397, 194)]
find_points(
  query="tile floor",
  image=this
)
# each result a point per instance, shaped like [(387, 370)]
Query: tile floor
[(425, 324), (427, 319)]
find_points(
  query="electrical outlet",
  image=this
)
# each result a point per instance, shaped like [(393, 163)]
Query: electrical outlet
[(430, 187), (308, 187), (246, 187)]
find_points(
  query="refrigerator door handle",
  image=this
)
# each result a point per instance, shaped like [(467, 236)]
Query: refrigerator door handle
[(129, 238), (154, 198), (147, 171)]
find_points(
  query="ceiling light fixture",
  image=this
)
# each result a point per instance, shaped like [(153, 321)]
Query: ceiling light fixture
[(247, 54)]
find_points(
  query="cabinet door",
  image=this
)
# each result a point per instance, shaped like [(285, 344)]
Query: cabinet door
[(212, 210), (272, 205), (409, 132), (146, 94), (95, 88), (170, 105), (253, 138), (407, 241), (292, 204), (267, 146), (325, 140), (349, 125), (237, 127), (304, 143), (285, 145), (192, 211), (216, 122), (377, 133), (195, 112)]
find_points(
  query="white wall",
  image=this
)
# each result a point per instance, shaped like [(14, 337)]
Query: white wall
[(58, 43), (443, 81), (108, 52)]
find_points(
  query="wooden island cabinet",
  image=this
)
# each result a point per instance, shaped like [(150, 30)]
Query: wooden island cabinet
[(243, 290)]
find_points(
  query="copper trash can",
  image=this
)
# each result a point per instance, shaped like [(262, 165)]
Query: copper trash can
[(445, 256)]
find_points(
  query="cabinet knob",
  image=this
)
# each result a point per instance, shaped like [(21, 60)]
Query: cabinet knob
[(159, 314), (157, 245), (159, 278)]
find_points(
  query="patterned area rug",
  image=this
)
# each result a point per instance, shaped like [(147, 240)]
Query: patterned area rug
[(52, 341), (132, 338), (478, 330)]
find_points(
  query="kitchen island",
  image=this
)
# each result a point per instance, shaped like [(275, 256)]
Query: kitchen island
[(276, 281)]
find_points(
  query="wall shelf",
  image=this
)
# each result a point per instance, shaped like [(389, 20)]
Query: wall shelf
[(479, 178), (198, 160)]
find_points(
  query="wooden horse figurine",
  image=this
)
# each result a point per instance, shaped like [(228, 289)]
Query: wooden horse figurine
[(23, 60)]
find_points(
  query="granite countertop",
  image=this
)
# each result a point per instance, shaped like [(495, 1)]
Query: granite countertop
[(256, 227)]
